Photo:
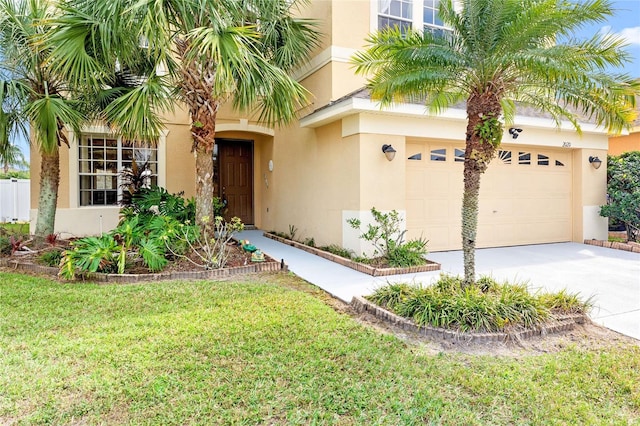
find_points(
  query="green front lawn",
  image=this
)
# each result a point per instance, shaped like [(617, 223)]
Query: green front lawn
[(262, 352)]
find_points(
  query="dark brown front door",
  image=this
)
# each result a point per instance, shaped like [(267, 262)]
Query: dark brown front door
[(236, 178)]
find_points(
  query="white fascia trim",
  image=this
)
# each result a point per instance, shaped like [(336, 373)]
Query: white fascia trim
[(352, 106), (330, 54), (547, 123), (358, 105), (243, 126)]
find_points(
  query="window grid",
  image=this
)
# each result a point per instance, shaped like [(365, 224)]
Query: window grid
[(430, 19), (395, 13), (100, 158)]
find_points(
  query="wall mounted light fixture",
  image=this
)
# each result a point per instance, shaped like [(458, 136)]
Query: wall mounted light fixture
[(514, 132), (389, 151), (595, 162)]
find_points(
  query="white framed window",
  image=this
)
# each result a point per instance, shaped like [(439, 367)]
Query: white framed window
[(101, 158), (395, 13), (421, 15)]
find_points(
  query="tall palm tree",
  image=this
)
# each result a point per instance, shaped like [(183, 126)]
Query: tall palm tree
[(208, 52), (34, 92), (499, 53), (30, 93), (11, 155)]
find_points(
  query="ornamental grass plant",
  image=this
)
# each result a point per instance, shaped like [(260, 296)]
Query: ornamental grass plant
[(488, 306)]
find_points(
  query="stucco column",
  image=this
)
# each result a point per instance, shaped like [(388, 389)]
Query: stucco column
[(589, 192)]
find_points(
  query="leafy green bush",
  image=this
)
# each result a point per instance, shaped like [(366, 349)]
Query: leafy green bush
[(623, 189), (94, 254), (5, 245), (566, 303), (51, 258), (408, 254), (156, 228), (157, 201), (488, 306), (337, 250), (19, 174), (388, 240)]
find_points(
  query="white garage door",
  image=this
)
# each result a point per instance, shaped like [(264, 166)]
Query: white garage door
[(525, 196)]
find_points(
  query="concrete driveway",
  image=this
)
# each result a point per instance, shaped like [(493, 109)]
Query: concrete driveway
[(611, 277)]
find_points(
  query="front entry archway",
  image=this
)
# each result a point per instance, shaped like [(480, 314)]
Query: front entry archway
[(235, 178)]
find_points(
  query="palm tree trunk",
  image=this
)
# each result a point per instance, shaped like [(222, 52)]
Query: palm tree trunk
[(48, 198), (477, 156), (470, 220), (199, 94), (204, 191)]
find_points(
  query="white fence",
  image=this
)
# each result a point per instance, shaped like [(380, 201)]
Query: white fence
[(15, 200)]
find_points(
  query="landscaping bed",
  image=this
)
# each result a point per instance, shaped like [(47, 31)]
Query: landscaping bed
[(375, 271), (558, 325), (239, 262)]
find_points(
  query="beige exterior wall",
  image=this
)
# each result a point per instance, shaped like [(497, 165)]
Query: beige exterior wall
[(315, 177)]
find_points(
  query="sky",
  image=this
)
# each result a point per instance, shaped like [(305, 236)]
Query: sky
[(625, 23)]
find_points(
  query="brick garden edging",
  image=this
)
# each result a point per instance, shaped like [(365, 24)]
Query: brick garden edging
[(566, 323), (629, 246), (360, 267), (161, 276)]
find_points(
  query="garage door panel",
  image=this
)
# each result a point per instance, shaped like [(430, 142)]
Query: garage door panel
[(519, 203), (416, 189)]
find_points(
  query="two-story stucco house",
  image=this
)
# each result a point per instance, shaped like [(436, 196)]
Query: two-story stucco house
[(329, 165)]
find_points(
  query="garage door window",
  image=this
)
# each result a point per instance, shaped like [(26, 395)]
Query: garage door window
[(439, 154), (543, 160), (459, 155), (524, 158), (504, 156)]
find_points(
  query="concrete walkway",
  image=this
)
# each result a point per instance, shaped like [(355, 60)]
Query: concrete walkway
[(611, 277)]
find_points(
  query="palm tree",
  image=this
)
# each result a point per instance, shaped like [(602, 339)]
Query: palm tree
[(499, 53), (208, 52), (30, 93), (33, 92), (11, 155)]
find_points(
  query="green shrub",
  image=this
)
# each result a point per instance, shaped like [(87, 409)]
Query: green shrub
[(337, 250), (487, 307), (408, 254), (51, 258), (392, 295), (563, 302), (623, 192), (157, 201), (5, 245), (93, 254), (388, 240)]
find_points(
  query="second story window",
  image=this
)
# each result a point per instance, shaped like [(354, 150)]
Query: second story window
[(395, 13), (430, 19), (421, 15)]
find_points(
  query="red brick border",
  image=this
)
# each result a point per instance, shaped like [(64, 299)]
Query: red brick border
[(162, 276), (360, 267), (565, 323), (628, 246)]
